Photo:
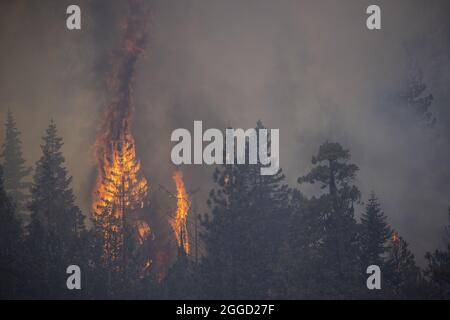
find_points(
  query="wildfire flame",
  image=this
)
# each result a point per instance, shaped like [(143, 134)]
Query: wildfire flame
[(394, 237), (179, 222), (120, 187), (226, 180), (120, 184), (143, 231)]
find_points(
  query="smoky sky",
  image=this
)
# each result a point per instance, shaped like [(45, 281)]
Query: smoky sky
[(308, 68)]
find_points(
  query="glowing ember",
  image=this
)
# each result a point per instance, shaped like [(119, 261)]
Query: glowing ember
[(226, 180), (143, 231), (394, 237), (148, 264), (179, 223)]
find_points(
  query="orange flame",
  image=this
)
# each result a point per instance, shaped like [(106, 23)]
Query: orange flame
[(179, 222), (143, 231), (226, 180), (120, 185), (394, 237), (120, 190)]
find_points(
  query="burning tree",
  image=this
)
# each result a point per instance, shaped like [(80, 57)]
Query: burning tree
[(121, 185), (402, 274), (121, 189), (179, 222)]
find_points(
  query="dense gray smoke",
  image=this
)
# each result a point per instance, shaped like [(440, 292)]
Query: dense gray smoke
[(309, 68)]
